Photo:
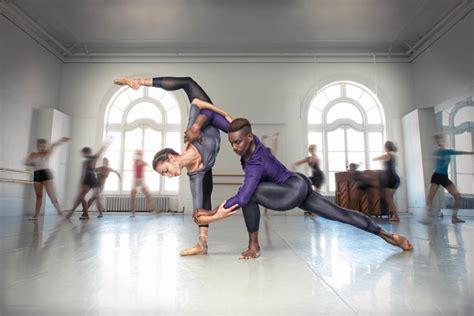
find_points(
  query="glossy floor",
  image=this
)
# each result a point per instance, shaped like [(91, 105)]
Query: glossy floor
[(123, 266)]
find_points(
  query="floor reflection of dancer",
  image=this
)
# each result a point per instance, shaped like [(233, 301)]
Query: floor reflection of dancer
[(102, 175), (313, 161), (139, 183), (198, 157), (89, 181), (269, 183), (42, 176), (390, 180), (442, 158)]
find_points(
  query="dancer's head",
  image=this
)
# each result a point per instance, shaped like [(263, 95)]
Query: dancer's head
[(353, 166), (312, 149), (138, 155), (86, 151), (439, 140), (390, 147), (41, 144), (240, 136), (105, 162), (166, 163)]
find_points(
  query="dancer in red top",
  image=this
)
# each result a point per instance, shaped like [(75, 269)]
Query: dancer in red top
[(139, 181)]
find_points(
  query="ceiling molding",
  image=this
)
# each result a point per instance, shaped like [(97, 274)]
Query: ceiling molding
[(34, 30)]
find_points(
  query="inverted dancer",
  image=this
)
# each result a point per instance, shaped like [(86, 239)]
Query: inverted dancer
[(198, 157), (42, 176), (102, 175), (269, 183), (89, 181), (139, 183), (390, 179), (313, 161), (442, 158)]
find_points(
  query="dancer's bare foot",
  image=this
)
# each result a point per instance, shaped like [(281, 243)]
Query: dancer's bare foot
[(84, 216), (199, 249), (250, 254), (394, 218), (397, 240), (457, 220), (132, 83), (33, 218)]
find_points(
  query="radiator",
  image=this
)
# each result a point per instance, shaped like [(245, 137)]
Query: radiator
[(121, 203), (467, 203)]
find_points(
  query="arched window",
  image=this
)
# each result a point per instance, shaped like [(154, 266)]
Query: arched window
[(345, 121), (147, 119), (457, 122)]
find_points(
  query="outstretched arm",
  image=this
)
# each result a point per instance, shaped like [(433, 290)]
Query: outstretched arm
[(104, 146), (116, 172), (57, 143), (383, 157), (300, 162)]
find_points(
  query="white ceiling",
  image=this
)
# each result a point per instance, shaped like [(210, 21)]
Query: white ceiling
[(235, 26)]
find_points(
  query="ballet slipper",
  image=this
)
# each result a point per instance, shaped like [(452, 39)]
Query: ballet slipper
[(249, 254), (84, 216), (132, 83), (199, 249), (457, 220)]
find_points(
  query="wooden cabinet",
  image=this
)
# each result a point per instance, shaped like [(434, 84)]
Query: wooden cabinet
[(360, 191)]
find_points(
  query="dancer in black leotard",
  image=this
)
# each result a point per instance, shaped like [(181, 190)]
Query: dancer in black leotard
[(267, 182), (390, 180), (202, 152), (317, 175), (89, 181)]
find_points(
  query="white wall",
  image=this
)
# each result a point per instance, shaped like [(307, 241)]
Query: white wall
[(264, 92), (29, 79), (444, 73)]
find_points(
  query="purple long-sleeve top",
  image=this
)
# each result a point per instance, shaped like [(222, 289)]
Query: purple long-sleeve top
[(262, 166)]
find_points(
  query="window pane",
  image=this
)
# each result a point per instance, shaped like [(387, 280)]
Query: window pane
[(333, 92), (172, 184), (375, 142), (116, 140), (152, 140), (115, 115), (319, 102), (464, 164), (337, 161), (128, 160), (465, 183), (135, 94), (344, 110), (375, 165), (463, 142), (148, 157), (168, 101), (174, 116), (332, 181), (373, 116), (127, 178), (357, 157), (156, 93), (353, 92), (133, 139), (112, 182), (367, 101), (314, 116), (173, 141), (355, 140), (336, 140), (122, 101), (465, 114), (152, 179), (144, 110), (114, 159)]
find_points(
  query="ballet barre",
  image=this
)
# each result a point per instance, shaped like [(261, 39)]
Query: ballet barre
[(227, 175), (10, 180), (16, 181), (15, 170)]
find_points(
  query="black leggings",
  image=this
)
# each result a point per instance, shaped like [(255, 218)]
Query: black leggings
[(297, 192), (207, 186)]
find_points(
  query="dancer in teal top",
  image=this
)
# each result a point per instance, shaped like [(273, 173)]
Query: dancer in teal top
[(442, 157)]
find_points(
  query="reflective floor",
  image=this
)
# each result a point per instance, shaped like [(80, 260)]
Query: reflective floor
[(123, 266)]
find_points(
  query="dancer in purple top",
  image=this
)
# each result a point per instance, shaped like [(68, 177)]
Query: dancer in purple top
[(269, 183)]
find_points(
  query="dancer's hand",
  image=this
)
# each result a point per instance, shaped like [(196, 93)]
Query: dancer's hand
[(65, 139), (203, 218), (192, 134)]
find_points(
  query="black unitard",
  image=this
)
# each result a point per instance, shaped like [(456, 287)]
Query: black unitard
[(192, 90), (390, 180), (317, 176)]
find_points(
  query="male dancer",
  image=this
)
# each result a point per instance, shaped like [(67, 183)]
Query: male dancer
[(269, 183)]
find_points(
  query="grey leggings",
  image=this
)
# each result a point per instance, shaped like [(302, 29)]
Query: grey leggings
[(297, 192)]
